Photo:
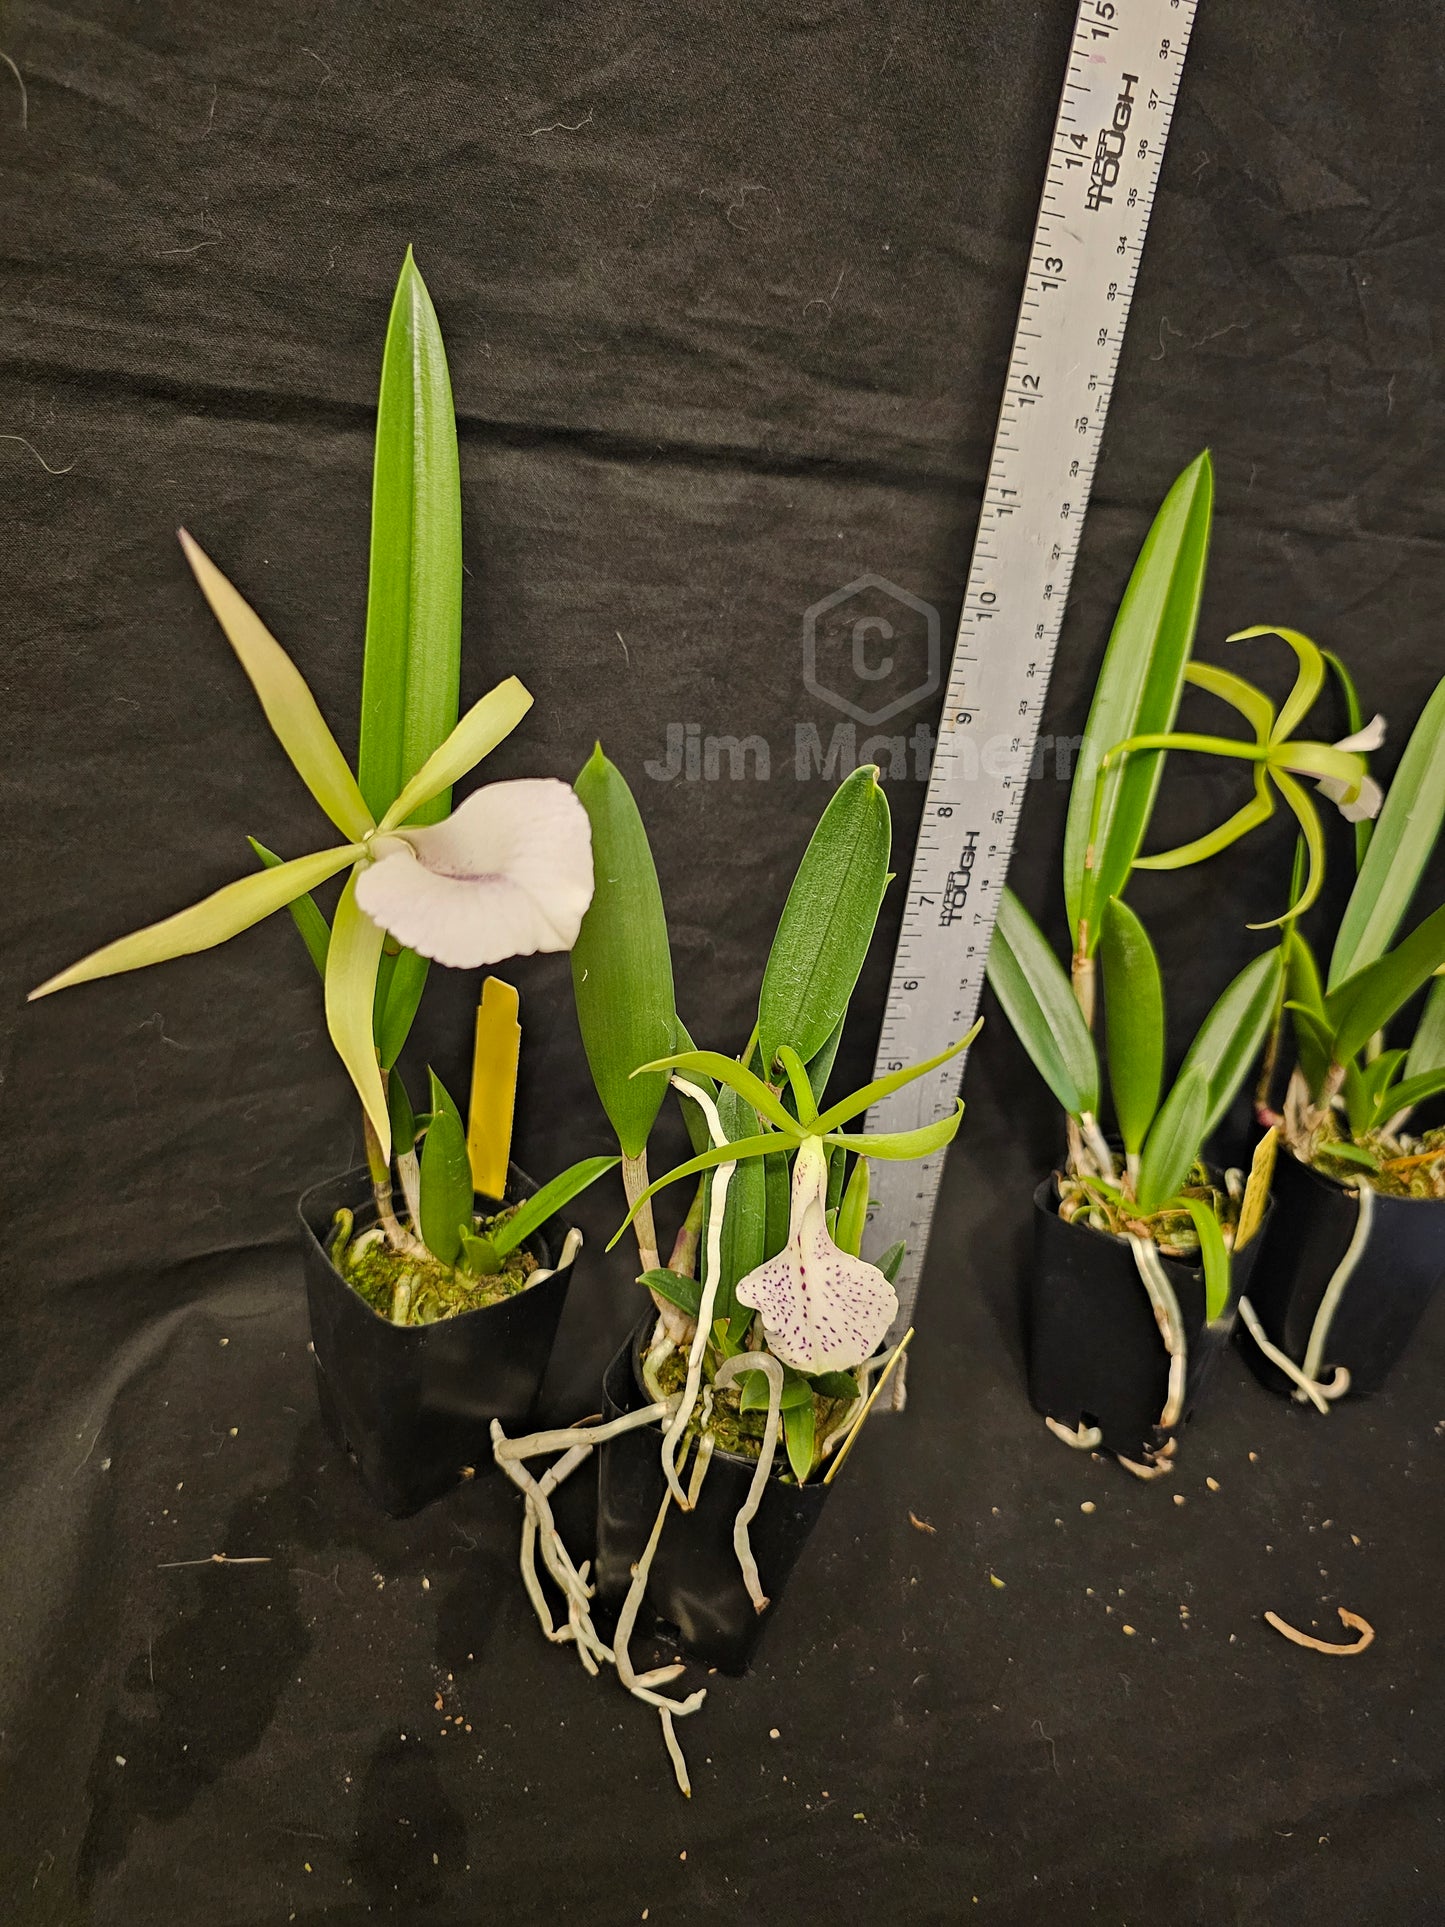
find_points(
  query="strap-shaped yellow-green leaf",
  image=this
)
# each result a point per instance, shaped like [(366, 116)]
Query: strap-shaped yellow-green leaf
[(351, 964), (1228, 1040), (290, 707), (1137, 693), (475, 736), (1214, 1256), (222, 915), (1038, 1000), (411, 669), (1405, 833), (1174, 1140)]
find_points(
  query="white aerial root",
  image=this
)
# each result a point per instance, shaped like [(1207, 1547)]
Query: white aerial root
[(1306, 1387), (730, 1369), (1353, 1621), (1170, 1321), (1319, 1332), (539, 1532), (721, 1177), (1084, 1438)]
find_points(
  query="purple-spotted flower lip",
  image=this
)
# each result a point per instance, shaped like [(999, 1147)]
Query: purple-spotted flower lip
[(507, 874), (822, 1310)]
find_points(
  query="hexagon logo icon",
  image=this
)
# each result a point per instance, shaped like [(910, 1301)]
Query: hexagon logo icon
[(871, 634)]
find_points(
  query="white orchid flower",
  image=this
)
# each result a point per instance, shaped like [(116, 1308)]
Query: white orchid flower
[(507, 874), (821, 1309), (1366, 800)]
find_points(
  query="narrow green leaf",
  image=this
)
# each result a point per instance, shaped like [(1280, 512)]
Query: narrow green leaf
[(1346, 1153), (1038, 1000), (1411, 1091), (1175, 1140), (305, 913), (901, 1145), (411, 669), (1214, 1255), (1314, 1045), (290, 708), (827, 921), (1229, 1039), (799, 1428), (1427, 1052), (545, 1202), (1134, 1017), (685, 1293), (621, 963), (351, 965), (403, 1118), (477, 1256), (835, 1385), (446, 1178), (744, 1221), (404, 986), (488, 720), (215, 919), (1405, 833), (1367, 1001), (853, 1211), (753, 1395), (1359, 1106), (1314, 1039), (892, 1260), (1138, 691)]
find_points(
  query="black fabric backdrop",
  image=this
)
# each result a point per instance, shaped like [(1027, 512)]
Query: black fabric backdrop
[(728, 292)]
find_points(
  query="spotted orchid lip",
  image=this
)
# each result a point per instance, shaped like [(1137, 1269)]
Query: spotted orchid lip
[(822, 1309), (507, 874)]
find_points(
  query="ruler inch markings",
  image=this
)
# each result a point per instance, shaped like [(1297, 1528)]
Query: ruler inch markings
[(1105, 155)]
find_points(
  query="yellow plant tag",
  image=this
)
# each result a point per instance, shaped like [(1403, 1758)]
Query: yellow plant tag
[(495, 1059), (1256, 1191)]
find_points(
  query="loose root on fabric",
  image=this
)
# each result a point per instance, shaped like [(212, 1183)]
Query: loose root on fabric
[(1340, 1651)]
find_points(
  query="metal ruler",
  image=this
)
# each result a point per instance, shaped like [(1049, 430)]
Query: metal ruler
[(1125, 63)]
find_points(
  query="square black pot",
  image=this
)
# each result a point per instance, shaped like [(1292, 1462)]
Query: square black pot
[(695, 1596), (413, 1404), (1393, 1279), (1096, 1354)]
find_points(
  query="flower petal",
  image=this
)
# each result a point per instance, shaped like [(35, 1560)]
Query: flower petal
[(508, 873), (1372, 736), (822, 1310), (1365, 804)]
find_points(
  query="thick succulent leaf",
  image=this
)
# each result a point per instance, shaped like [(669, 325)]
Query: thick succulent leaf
[(621, 963), (543, 1204), (351, 966), (411, 668), (1214, 1254), (215, 919), (1038, 1000), (290, 707), (799, 1435), (685, 1293), (1229, 1039), (827, 921), (1367, 1001), (1174, 1141), (1427, 1052), (1405, 833), (1134, 1019), (485, 724), (1138, 691), (446, 1178), (305, 912)]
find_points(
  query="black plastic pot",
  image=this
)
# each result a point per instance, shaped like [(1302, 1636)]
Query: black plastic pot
[(413, 1404), (1096, 1354), (695, 1593), (1399, 1265)]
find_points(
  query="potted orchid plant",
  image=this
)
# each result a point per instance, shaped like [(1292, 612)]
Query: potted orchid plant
[(1357, 1245), (767, 1338), (430, 1319), (1138, 1238)]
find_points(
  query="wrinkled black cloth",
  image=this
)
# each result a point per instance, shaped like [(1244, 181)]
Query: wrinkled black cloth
[(728, 293)]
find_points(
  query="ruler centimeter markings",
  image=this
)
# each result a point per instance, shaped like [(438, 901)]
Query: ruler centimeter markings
[(1125, 63)]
